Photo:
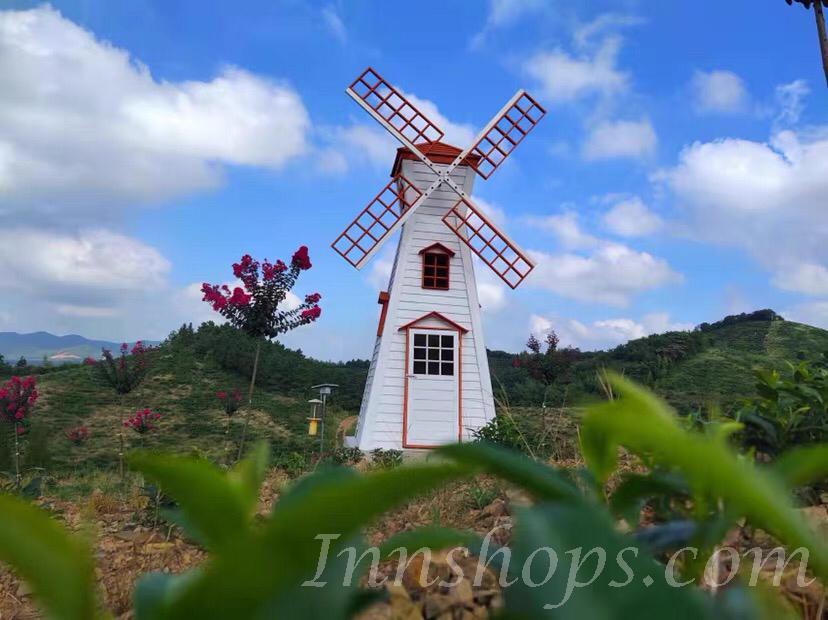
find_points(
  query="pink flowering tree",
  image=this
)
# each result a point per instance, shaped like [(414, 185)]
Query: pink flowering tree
[(258, 308), (77, 436), (141, 422), (123, 373), (17, 399)]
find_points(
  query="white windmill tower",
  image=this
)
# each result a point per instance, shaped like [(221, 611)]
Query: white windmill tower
[(429, 382)]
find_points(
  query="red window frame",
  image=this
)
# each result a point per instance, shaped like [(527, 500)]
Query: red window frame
[(435, 271)]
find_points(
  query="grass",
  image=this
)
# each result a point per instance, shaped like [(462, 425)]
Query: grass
[(181, 387)]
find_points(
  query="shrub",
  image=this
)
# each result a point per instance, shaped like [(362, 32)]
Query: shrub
[(788, 411), (386, 459), (230, 400), (142, 421), (77, 435), (294, 464), (346, 456), (501, 430), (126, 372)]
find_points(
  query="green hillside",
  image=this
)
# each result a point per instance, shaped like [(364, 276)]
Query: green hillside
[(712, 364)]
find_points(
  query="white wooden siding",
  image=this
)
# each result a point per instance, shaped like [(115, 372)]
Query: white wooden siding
[(380, 424)]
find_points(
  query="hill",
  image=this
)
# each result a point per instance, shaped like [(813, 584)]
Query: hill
[(37, 346), (711, 365)]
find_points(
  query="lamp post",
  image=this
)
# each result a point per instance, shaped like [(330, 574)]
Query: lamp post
[(325, 390), (313, 421)]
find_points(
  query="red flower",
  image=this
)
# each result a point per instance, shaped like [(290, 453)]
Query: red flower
[(311, 314), (77, 435), (239, 297), (300, 258), (312, 299), (88, 361), (221, 395), (141, 421)]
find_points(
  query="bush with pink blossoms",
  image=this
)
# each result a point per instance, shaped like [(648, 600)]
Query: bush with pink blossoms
[(78, 435), (124, 373), (142, 421), (17, 399), (230, 400)]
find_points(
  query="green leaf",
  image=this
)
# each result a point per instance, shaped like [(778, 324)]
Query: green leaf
[(542, 481), (646, 426), (801, 466), (57, 565), (635, 490), (249, 473), (578, 536), (214, 507), (268, 566)]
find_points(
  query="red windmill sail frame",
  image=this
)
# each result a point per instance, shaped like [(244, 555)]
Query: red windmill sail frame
[(490, 148)]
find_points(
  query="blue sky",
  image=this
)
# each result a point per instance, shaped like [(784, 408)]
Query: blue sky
[(680, 174)]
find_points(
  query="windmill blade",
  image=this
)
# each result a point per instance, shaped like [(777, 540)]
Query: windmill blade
[(389, 208), (389, 104), (490, 244), (505, 131), (395, 113)]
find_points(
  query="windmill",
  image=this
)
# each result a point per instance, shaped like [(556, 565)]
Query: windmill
[(428, 382)]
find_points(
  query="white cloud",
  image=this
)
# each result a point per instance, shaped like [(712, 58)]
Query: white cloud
[(631, 218), (604, 333), (371, 144), (617, 139), (566, 228), (807, 278), (810, 313), (84, 125), (565, 78), (766, 198), (494, 213), (503, 13), (584, 33), (457, 134), (611, 274), (94, 262), (719, 91), (491, 292), (790, 101), (333, 22)]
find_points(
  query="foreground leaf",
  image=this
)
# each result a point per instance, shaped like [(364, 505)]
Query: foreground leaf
[(646, 426), (57, 565)]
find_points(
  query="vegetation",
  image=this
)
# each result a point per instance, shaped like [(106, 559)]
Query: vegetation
[(709, 366), (261, 568)]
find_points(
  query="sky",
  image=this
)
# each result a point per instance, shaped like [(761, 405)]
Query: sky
[(680, 174)]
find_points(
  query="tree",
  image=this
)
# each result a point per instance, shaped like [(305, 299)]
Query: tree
[(820, 24), (258, 308), (22, 362)]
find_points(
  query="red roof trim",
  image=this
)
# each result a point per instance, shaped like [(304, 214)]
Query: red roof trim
[(437, 152), (435, 315), (436, 246)]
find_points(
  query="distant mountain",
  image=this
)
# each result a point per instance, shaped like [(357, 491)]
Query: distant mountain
[(37, 346)]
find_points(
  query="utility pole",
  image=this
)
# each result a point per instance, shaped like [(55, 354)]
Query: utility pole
[(820, 24)]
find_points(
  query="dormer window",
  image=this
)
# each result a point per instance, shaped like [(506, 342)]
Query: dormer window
[(436, 260)]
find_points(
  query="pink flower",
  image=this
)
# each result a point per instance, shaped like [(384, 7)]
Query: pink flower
[(311, 314), (239, 297), (312, 299), (88, 361), (300, 258), (221, 395)]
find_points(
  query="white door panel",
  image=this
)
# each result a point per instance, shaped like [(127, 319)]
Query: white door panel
[(432, 407)]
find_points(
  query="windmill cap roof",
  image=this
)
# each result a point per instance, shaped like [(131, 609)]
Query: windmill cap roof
[(437, 152)]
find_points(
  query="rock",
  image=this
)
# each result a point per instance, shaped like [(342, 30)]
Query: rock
[(496, 509), (401, 606), (817, 518)]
